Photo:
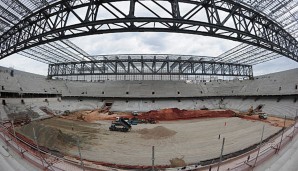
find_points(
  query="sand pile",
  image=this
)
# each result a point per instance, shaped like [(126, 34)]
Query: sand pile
[(156, 133), (52, 138), (94, 115), (97, 115), (177, 162), (176, 114)]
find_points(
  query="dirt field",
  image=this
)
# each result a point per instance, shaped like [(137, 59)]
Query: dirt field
[(176, 140), (193, 141), (189, 140)]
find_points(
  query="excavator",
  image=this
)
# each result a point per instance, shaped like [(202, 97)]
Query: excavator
[(252, 111), (120, 125)]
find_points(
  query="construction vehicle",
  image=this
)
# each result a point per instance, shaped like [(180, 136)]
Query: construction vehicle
[(263, 116), (148, 120), (120, 125), (134, 121), (135, 113), (151, 121)]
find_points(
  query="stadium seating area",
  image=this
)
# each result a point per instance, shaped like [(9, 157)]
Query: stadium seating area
[(277, 93)]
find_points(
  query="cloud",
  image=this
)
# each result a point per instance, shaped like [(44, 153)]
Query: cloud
[(24, 64), (276, 65), (149, 43)]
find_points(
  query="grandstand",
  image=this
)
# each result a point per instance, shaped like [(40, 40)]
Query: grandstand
[(276, 92)]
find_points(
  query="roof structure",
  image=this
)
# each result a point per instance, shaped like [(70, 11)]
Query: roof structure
[(13, 11), (283, 12)]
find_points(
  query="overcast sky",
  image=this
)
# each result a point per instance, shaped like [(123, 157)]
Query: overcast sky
[(146, 43)]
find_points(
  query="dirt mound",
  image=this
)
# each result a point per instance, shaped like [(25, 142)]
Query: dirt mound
[(156, 133), (94, 115), (176, 114), (158, 115), (52, 138), (177, 162)]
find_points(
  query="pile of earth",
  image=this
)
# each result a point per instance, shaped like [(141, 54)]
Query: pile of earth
[(158, 115), (49, 137), (177, 162), (177, 114), (94, 115), (156, 133)]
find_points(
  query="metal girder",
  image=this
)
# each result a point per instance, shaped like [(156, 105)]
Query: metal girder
[(143, 66), (34, 53), (17, 6), (65, 52), (223, 18), (8, 16), (75, 47), (3, 26), (283, 11), (13, 10)]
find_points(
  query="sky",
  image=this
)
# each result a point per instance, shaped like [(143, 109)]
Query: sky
[(149, 43)]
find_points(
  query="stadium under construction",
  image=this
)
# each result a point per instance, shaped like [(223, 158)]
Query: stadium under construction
[(148, 111)]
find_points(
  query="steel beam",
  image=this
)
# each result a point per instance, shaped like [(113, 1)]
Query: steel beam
[(143, 66), (53, 23), (283, 12)]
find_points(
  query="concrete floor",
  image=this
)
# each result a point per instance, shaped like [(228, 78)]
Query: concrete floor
[(285, 160), (10, 161)]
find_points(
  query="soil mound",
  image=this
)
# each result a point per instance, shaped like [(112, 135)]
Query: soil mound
[(176, 114), (52, 138), (177, 162), (94, 115), (156, 133)]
